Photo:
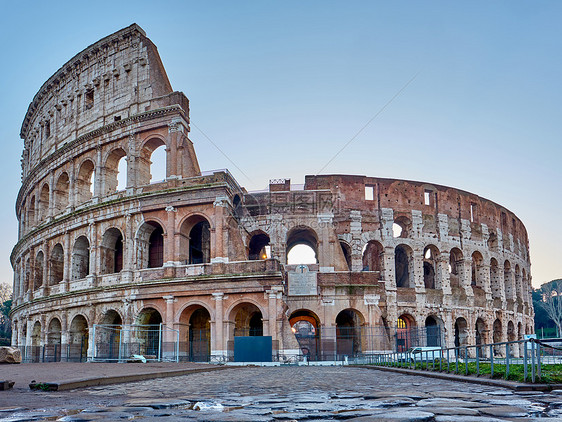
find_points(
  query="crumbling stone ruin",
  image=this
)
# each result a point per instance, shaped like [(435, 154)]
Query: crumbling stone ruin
[(198, 253)]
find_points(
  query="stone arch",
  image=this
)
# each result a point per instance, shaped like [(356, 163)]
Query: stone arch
[(518, 283), (36, 336), (150, 245), (61, 193), (430, 275), (404, 266), (433, 331), (85, 181), (258, 247), (402, 227), (112, 165), (373, 256), (197, 319), (152, 162), (31, 212), (195, 240), (496, 280), (305, 324), (149, 338), (480, 332), (56, 265), (78, 338), (348, 333), (306, 241), (43, 202), (246, 319), (111, 251), (53, 346), (80, 258), (108, 340), (455, 265), (346, 251), (508, 279), (461, 332), (477, 270), (38, 270)]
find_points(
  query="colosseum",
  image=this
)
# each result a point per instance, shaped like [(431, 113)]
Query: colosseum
[(110, 262)]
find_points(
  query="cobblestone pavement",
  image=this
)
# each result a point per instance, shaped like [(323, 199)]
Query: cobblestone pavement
[(285, 394)]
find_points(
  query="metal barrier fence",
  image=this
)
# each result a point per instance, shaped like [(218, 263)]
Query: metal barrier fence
[(119, 343), (55, 353), (485, 359)]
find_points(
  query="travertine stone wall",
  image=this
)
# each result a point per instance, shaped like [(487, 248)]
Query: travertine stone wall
[(196, 251)]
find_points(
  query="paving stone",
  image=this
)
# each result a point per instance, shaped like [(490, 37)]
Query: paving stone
[(452, 411), (446, 402), (402, 415), (467, 419), (504, 411)]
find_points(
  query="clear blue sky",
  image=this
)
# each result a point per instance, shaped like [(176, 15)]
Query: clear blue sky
[(280, 86)]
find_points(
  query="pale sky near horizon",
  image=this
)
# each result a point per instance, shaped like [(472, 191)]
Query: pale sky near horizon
[(281, 86)]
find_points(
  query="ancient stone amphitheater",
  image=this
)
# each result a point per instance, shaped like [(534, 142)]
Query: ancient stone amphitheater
[(104, 247)]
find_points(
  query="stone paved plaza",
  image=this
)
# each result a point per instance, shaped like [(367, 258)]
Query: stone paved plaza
[(284, 394)]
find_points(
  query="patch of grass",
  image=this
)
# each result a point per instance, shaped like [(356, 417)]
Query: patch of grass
[(550, 373)]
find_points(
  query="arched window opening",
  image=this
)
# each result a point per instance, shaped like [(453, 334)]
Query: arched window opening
[(57, 265), (199, 336), (478, 275), (85, 182), (78, 338), (31, 212), (430, 254), (403, 262), (455, 263), (116, 171), (200, 243), (496, 279), (38, 272), (248, 320), (44, 202), (401, 227), (348, 334), (508, 280), (195, 240), (150, 245), (149, 338), (61, 193), (36, 335), (28, 274), (461, 332), (346, 250), (108, 341), (259, 247), (111, 252), (152, 162), (518, 284), (237, 206), (497, 337), (432, 332), (305, 325), (158, 165), (81, 258), (302, 246), (373, 256), (52, 350), (480, 332)]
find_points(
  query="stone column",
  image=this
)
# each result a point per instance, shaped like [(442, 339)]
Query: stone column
[(170, 255), (50, 211), (64, 337), (128, 250), (91, 334), (169, 336), (217, 237), (443, 268), (67, 258), (218, 339), (98, 177), (325, 243), (46, 265), (465, 276), (15, 327)]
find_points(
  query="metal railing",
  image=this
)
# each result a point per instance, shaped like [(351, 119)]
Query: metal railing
[(494, 360)]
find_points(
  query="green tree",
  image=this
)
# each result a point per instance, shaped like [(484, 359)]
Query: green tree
[(5, 307), (551, 302)]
